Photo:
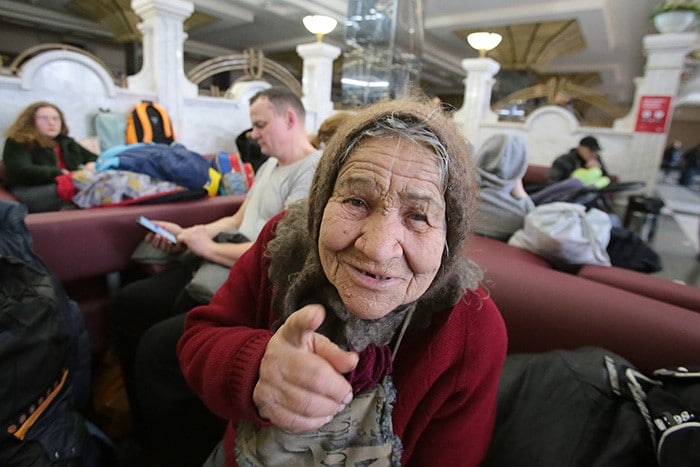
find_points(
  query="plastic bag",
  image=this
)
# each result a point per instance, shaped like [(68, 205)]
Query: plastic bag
[(565, 234)]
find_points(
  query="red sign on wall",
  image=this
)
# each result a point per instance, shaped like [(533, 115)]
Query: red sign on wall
[(653, 114)]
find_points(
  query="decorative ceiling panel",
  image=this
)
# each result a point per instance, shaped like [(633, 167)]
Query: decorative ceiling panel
[(528, 45), (118, 17)]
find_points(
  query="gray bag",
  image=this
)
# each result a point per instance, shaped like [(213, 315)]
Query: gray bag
[(566, 234)]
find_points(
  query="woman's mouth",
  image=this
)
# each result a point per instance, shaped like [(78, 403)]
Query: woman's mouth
[(373, 276)]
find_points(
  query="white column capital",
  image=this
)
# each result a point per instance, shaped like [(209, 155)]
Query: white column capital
[(318, 50), (172, 8), (669, 50), (483, 65)]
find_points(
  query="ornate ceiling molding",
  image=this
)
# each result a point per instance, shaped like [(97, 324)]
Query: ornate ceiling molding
[(526, 46), (118, 17)]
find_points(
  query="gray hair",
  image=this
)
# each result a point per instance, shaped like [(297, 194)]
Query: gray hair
[(395, 126)]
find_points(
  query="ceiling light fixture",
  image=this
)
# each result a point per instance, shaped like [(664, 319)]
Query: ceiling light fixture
[(319, 25), (484, 41)]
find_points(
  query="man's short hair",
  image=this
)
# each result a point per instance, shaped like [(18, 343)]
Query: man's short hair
[(281, 98), (590, 142)]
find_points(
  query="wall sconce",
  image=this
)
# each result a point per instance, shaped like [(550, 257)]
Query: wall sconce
[(319, 25), (484, 41)]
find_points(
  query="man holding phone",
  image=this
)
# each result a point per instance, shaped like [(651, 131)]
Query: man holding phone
[(147, 318), (156, 229)]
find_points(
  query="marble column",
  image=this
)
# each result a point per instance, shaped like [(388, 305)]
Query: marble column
[(665, 62), (477, 96), (317, 81), (162, 72)]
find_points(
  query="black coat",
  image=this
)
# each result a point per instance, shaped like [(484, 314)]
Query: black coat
[(564, 165), (33, 165), (44, 351)]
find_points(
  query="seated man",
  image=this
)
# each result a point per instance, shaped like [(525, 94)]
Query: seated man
[(158, 303), (585, 155)]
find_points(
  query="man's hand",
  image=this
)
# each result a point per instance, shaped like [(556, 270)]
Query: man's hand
[(197, 239), (301, 384), (160, 242)]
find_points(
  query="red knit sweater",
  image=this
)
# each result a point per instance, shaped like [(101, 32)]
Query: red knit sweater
[(446, 376)]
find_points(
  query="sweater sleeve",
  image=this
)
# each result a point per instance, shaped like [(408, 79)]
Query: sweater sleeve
[(26, 166), (74, 154), (451, 419), (223, 342)]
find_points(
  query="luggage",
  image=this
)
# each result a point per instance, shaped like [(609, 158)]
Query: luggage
[(110, 128), (149, 123), (236, 175), (669, 403)]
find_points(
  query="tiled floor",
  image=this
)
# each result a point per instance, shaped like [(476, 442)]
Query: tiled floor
[(676, 239)]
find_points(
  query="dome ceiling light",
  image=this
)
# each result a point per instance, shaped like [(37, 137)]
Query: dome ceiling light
[(319, 25), (484, 41)]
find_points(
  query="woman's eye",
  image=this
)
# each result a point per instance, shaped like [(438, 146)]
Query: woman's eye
[(418, 217), (355, 202)]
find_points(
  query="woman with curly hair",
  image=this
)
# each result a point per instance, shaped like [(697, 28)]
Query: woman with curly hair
[(37, 152)]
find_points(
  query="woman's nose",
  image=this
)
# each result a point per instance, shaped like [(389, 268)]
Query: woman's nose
[(380, 237)]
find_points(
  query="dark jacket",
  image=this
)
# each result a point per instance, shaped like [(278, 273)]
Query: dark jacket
[(33, 165), (44, 350), (23, 271), (170, 162), (558, 409), (564, 165)]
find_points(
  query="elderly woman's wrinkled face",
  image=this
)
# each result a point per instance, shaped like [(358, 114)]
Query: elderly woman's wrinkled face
[(383, 230)]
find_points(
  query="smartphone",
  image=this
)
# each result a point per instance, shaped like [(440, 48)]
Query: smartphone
[(146, 222)]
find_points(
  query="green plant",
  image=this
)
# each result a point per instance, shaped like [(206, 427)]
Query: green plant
[(676, 5)]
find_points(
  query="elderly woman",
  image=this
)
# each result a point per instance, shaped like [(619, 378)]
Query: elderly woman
[(354, 330), (38, 151)]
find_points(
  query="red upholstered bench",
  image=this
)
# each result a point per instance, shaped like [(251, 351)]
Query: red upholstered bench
[(87, 249), (545, 309), (682, 295)]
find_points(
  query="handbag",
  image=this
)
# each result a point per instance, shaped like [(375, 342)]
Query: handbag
[(669, 404), (566, 234)]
